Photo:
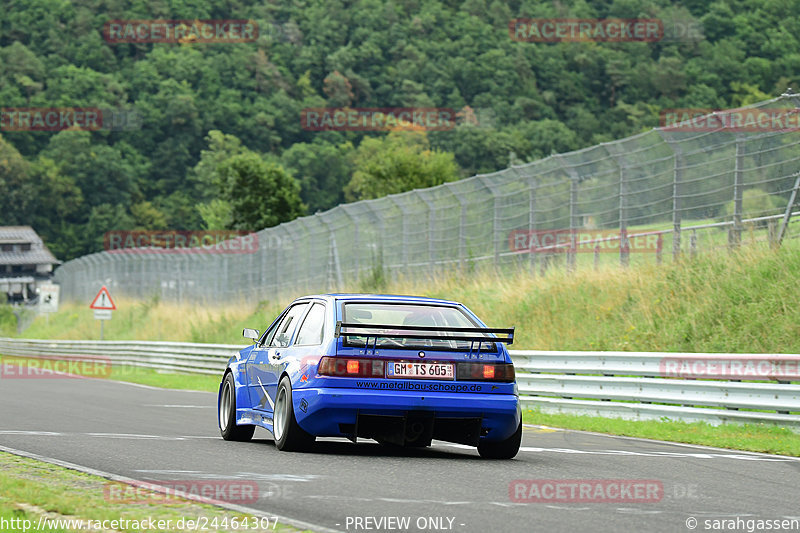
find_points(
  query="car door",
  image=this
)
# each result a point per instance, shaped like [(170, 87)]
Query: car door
[(265, 363)]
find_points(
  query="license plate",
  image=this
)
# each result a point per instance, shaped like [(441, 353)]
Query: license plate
[(420, 370)]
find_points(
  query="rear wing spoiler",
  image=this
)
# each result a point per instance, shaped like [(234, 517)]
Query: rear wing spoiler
[(368, 330)]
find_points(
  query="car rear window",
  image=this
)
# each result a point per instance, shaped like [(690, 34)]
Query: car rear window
[(403, 314)]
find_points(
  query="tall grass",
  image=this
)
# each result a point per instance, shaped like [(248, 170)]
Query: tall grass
[(155, 320), (741, 301)]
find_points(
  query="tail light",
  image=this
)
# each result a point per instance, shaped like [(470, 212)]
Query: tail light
[(485, 372), (375, 368), (351, 367)]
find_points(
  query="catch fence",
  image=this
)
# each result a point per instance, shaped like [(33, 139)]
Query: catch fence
[(659, 194)]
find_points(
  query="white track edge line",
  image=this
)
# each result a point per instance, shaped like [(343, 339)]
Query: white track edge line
[(166, 490), (656, 441)]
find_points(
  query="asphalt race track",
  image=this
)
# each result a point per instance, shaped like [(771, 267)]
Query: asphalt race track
[(152, 434)]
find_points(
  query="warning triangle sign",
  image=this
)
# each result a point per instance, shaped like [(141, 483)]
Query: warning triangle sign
[(103, 300)]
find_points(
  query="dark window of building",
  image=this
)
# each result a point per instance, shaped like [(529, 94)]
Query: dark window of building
[(26, 247), (7, 247)]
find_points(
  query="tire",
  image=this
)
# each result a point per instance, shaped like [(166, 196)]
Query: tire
[(227, 413), (289, 437), (504, 449)]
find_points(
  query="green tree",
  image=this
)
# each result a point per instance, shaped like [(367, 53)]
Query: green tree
[(15, 186), (261, 194), (398, 162), (221, 146), (323, 169)]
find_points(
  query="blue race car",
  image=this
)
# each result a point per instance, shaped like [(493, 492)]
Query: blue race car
[(401, 370)]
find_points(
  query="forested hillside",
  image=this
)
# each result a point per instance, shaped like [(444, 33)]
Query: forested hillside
[(219, 120)]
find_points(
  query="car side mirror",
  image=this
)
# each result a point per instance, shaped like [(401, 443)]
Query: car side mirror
[(249, 333)]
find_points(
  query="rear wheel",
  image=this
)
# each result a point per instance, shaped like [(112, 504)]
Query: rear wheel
[(504, 449), (289, 436), (227, 413)]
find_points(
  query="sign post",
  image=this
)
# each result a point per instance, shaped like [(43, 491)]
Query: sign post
[(102, 305)]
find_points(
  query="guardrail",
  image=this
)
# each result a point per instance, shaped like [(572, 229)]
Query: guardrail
[(633, 385), (169, 356)]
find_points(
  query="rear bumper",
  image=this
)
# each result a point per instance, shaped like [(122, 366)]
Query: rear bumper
[(335, 412)]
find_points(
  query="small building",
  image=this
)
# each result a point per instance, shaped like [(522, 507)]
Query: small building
[(25, 263)]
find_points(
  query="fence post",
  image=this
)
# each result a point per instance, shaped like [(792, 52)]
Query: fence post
[(276, 256), (334, 276), (462, 227), (298, 247), (179, 278), (788, 214), (736, 237), (356, 248), (659, 247), (532, 221), (677, 177), (496, 205), (574, 224), (431, 241), (462, 232), (404, 225), (378, 259), (624, 250)]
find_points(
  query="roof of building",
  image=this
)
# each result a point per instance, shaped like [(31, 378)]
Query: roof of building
[(38, 254)]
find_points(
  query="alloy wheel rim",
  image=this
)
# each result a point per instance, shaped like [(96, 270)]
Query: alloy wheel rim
[(280, 413), (224, 410)]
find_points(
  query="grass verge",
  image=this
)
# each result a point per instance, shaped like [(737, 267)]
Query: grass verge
[(739, 302), (33, 490), (748, 437)]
